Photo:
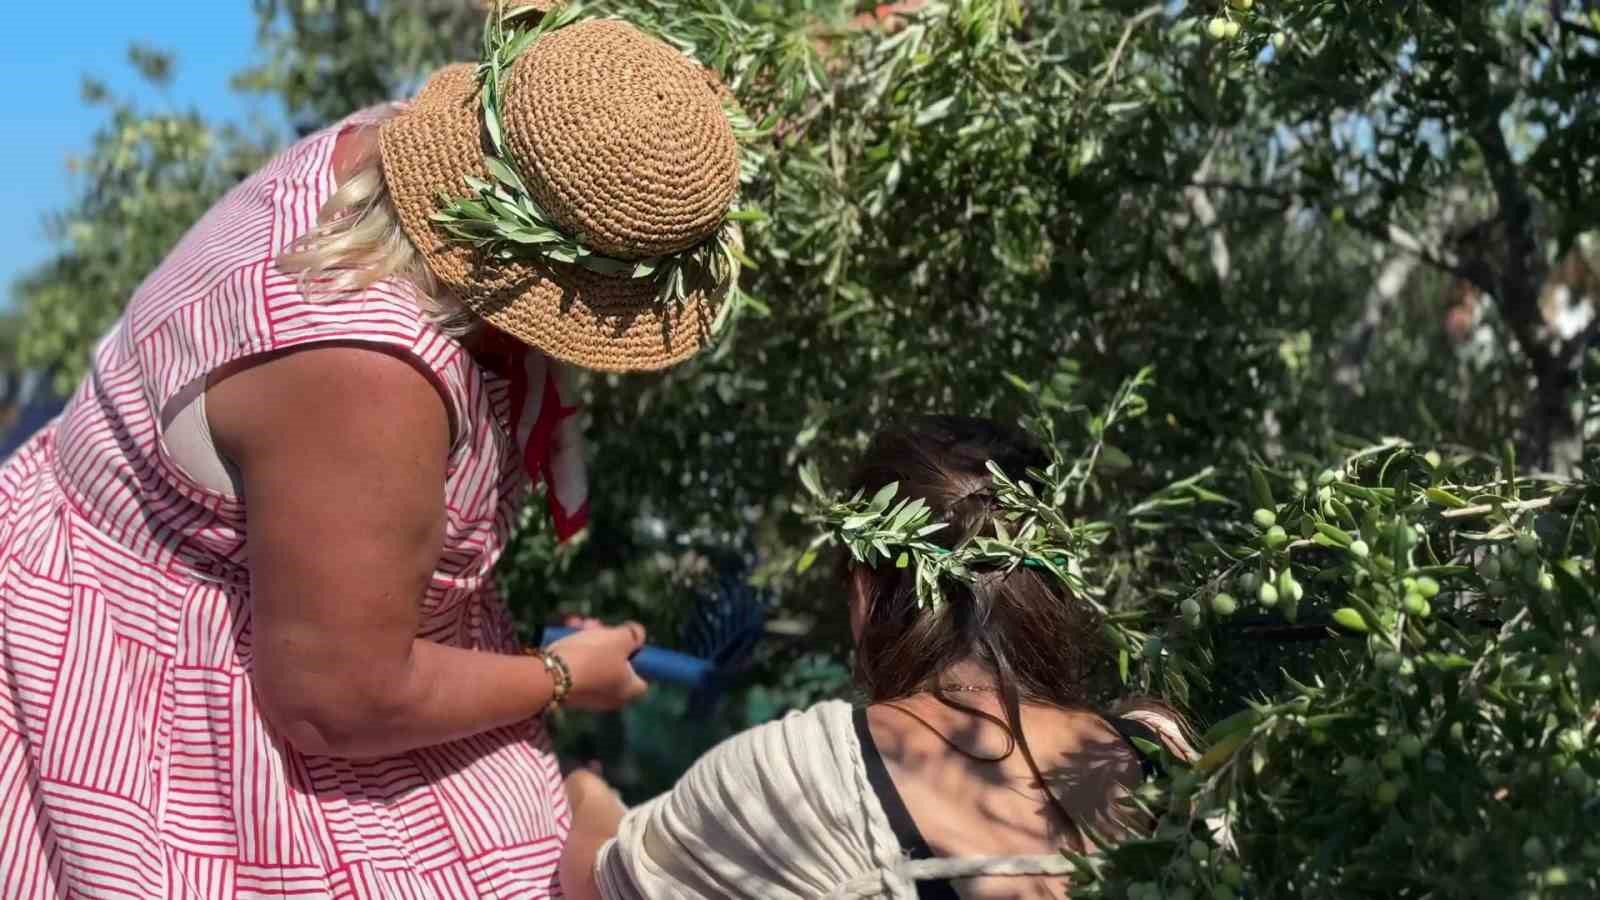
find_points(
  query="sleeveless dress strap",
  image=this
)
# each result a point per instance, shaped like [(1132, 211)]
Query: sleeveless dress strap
[(912, 843)]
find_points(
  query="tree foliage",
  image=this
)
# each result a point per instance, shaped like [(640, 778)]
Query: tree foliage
[(1354, 240), (325, 58), (146, 177)]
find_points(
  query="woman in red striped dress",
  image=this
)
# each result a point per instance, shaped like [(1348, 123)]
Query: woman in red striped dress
[(249, 642)]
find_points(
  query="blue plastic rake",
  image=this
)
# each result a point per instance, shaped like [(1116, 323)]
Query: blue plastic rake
[(719, 636), (655, 663)]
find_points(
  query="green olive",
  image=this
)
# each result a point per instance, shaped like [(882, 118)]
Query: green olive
[(1570, 740), (1405, 535), (1527, 543), (1267, 595), (1350, 619)]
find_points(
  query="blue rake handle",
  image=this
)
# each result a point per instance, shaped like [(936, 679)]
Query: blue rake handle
[(655, 663)]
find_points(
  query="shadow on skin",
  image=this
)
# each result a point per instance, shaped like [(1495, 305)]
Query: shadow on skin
[(966, 806)]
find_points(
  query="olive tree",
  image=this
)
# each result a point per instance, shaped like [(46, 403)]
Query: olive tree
[(1353, 240)]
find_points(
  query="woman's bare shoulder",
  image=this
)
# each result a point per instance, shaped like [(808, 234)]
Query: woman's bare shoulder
[(326, 398)]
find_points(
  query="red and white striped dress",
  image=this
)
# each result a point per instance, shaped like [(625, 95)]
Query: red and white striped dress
[(133, 759)]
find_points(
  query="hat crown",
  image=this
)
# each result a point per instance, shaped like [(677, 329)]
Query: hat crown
[(621, 139)]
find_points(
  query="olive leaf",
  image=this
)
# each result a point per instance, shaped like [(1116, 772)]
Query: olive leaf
[(502, 218)]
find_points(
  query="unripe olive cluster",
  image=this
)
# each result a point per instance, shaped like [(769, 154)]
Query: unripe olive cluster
[(1198, 871), (1387, 550), (1226, 28), (1518, 561)]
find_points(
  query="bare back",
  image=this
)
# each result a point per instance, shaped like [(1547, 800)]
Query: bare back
[(965, 806)]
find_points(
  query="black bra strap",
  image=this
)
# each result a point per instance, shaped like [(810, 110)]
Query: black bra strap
[(912, 843), (905, 828)]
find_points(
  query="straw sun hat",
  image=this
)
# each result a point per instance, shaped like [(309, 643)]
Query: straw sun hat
[(574, 189)]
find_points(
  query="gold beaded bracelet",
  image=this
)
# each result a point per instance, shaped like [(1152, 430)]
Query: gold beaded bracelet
[(560, 676)]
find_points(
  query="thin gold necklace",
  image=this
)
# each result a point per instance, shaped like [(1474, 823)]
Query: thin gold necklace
[(968, 688)]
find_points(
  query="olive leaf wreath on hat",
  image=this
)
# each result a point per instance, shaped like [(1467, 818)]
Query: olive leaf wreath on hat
[(503, 219)]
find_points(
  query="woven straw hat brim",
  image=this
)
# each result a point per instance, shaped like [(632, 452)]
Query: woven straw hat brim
[(598, 322)]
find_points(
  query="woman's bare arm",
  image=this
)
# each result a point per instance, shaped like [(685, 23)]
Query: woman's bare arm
[(342, 455), (597, 812)]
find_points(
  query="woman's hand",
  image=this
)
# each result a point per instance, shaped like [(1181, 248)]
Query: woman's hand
[(597, 811), (592, 798), (603, 679)]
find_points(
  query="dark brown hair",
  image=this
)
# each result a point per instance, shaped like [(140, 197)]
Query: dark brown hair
[(1021, 625), (1041, 644)]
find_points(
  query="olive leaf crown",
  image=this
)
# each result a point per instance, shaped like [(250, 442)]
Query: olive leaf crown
[(503, 219), (1029, 530)]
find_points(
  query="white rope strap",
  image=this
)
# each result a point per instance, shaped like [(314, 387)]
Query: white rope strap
[(882, 882), (986, 866)]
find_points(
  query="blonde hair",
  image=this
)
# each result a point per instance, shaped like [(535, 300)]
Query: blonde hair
[(358, 242)]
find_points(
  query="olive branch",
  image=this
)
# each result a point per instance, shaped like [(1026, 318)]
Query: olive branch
[(1032, 524), (1029, 530), (504, 220)]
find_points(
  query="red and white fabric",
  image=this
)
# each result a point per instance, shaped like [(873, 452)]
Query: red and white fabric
[(133, 760)]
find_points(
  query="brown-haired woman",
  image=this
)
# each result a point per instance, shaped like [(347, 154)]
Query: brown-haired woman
[(975, 761)]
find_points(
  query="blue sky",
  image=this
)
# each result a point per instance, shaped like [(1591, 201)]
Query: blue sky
[(45, 49)]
